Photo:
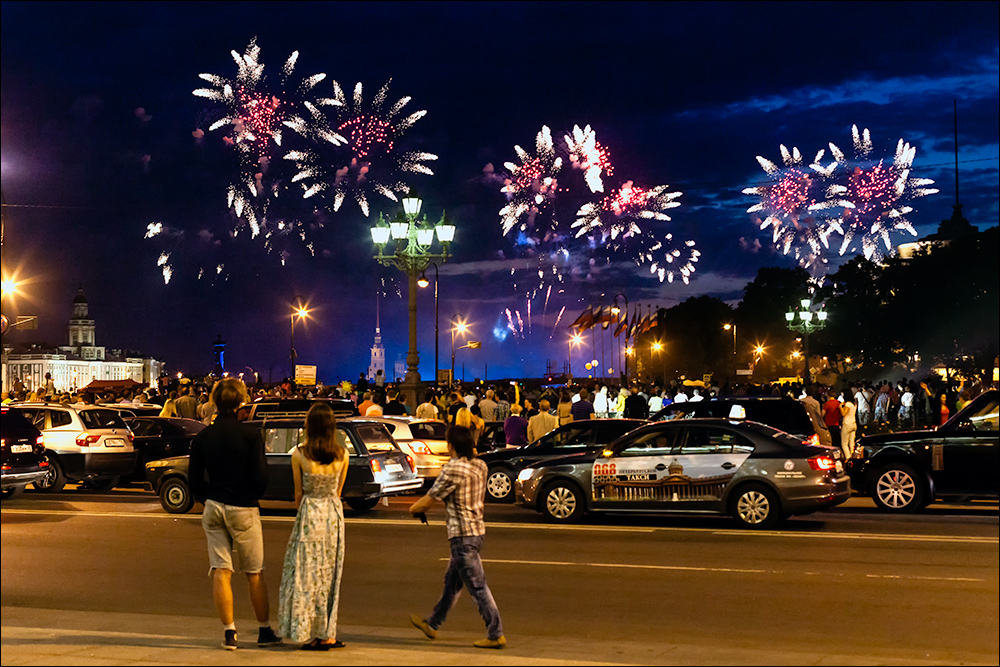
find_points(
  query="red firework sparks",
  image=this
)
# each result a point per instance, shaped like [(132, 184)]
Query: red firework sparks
[(873, 191), (531, 171), (604, 159), (791, 193), (260, 115), (368, 134), (628, 198)]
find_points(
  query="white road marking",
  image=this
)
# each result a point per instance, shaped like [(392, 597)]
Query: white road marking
[(682, 568), (495, 527)]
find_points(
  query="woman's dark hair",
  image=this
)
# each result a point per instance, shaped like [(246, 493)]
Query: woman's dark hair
[(460, 439), (321, 443)]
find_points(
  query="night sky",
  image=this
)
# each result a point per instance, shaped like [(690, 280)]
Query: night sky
[(98, 119)]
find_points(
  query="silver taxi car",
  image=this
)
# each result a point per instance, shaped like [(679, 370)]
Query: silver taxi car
[(753, 472)]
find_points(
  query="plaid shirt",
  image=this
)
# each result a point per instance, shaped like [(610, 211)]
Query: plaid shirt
[(462, 487)]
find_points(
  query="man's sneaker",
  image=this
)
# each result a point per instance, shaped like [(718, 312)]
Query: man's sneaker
[(266, 637), (499, 642), (229, 643), (421, 624)]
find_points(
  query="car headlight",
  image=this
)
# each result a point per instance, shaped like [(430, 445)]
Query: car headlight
[(525, 474)]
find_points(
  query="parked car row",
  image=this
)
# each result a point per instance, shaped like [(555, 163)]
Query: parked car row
[(769, 462)]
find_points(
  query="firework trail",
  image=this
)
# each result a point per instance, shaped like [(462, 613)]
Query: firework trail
[(555, 327), (788, 203), (591, 157), (625, 224), (872, 197), (358, 150), (258, 110)]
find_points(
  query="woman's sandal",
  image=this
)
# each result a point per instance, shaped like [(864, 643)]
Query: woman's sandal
[(316, 645), (335, 644)]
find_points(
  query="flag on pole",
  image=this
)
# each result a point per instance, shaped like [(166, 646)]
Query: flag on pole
[(584, 321)]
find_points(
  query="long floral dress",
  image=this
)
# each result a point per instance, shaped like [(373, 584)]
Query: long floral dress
[(310, 579)]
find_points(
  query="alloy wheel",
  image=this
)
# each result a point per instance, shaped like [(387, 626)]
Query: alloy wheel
[(896, 489)]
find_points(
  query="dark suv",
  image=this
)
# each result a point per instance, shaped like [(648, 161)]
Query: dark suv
[(905, 472), (293, 408), (784, 414), (23, 453)]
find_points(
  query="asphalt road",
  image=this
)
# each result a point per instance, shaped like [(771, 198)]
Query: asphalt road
[(850, 581)]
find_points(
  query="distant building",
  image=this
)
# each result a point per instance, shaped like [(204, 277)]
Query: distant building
[(75, 365), (400, 368), (378, 351), (949, 230)]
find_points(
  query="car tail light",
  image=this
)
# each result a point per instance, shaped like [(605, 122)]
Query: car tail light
[(44, 463), (413, 467), (86, 439), (6, 467), (375, 466), (811, 440), (822, 463), (420, 448)]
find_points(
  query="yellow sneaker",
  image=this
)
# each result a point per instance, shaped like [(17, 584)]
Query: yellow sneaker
[(421, 624), (499, 642)]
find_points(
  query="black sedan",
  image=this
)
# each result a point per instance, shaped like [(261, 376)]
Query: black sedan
[(23, 453), (573, 438), (748, 470), (158, 438), (905, 472), (377, 467), (781, 413)]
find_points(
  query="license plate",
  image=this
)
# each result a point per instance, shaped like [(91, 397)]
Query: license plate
[(20, 449), (393, 467), (114, 442), (840, 466)]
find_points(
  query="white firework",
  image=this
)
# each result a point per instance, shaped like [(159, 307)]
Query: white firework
[(530, 184)]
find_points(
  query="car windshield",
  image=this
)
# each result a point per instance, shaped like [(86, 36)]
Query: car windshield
[(190, 426), (375, 437), (774, 433), (96, 419), (983, 415)]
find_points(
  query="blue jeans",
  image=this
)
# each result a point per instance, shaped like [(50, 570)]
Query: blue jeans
[(465, 569)]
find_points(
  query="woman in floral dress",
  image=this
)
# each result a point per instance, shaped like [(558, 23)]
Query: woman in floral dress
[(310, 579)]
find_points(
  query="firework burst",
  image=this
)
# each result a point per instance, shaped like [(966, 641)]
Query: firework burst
[(258, 110), (628, 223), (872, 197), (530, 185), (357, 153), (586, 154), (788, 203)]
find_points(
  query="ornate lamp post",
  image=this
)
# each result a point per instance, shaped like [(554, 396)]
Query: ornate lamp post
[(413, 238), (423, 282), (727, 327), (807, 322)]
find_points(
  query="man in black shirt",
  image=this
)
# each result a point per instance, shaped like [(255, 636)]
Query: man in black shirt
[(394, 407), (228, 474), (636, 406)]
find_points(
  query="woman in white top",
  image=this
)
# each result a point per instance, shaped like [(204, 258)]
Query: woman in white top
[(601, 403), (848, 425)]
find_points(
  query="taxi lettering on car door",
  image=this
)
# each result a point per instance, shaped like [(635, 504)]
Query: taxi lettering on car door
[(683, 467)]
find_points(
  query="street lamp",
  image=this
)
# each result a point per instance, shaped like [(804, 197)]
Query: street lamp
[(423, 282), (575, 339), (458, 326), (727, 327), (412, 238), (615, 309), (807, 322), (298, 312)]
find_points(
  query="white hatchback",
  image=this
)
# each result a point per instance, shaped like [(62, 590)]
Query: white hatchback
[(423, 439), (83, 443)]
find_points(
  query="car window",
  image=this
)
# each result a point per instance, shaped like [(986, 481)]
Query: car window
[(35, 416), (60, 418), (714, 440), (429, 430), (657, 442), (389, 426), (281, 440), (578, 436), (347, 441), (771, 432), (985, 418), (101, 419), (609, 431), (190, 426), (375, 437)]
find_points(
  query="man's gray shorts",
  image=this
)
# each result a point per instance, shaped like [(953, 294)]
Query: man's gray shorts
[(230, 528)]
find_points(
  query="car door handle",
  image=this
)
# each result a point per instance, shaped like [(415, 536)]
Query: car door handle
[(728, 466)]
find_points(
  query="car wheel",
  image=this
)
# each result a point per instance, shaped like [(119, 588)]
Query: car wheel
[(55, 478), (756, 506), (500, 486), (175, 496), (899, 488), (562, 502), (362, 504), (11, 492)]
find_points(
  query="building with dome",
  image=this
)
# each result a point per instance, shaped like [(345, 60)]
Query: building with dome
[(80, 361)]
